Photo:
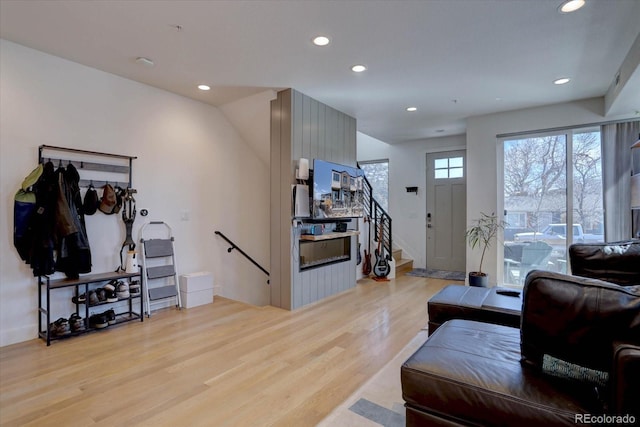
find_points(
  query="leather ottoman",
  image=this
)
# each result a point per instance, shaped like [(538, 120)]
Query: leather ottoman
[(472, 303), (469, 373)]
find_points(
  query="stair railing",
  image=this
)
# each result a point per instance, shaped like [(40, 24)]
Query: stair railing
[(378, 217), (234, 246)]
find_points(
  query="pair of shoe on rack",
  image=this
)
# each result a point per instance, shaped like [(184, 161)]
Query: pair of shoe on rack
[(117, 290), (102, 320), (95, 297), (62, 326), (111, 292)]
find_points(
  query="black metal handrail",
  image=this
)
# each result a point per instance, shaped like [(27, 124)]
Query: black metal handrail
[(378, 215), (234, 246)]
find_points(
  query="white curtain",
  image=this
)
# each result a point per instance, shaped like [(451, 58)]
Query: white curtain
[(617, 139)]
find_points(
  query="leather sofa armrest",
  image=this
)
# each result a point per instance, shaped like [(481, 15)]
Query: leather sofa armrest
[(625, 380), (615, 262), (576, 319)]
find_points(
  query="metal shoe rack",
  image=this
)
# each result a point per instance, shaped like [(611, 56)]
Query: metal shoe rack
[(97, 169), (82, 285)]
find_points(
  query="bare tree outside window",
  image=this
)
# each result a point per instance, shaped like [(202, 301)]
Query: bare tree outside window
[(536, 203), (587, 182), (535, 176)]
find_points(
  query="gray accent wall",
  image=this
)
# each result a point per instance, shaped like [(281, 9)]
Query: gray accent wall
[(304, 127)]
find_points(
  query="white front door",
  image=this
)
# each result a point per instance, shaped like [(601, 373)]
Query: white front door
[(446, 210)]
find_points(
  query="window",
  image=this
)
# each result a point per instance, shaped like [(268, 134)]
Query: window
[(550, 181), (377, 173), (449, 168)]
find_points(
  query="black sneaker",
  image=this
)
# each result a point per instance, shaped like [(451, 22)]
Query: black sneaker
[(60, 327), (111, 316), (80, 299), (122, 290), (111, 286), (111, 296), (98, 321), (134, 288), (93, 298), (102, 295), (76, 323)]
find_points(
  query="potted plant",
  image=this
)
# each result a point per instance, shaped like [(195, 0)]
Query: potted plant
[(480, 234)]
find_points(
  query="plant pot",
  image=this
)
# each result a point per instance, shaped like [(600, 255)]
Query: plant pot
[(480, 280)]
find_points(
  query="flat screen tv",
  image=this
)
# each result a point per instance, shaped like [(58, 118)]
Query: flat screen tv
[(338, 191)]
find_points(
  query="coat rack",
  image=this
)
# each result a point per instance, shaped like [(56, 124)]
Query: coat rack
[(86, 167)]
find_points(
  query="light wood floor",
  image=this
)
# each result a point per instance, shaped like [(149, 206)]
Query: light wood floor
[(223, 364)]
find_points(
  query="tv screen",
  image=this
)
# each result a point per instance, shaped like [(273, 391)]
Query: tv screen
[(338, 191)]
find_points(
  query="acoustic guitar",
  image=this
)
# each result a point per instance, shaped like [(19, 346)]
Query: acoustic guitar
[(382, 268)]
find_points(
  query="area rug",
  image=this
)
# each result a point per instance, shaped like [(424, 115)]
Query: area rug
[(437, 274), (379, 401)]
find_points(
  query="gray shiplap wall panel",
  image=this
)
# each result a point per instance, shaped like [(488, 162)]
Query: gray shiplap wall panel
[(315, 128), (304, 127), (322, 133), (275, 278)]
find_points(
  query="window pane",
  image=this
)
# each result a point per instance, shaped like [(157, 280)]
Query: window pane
[(535, 186), (441, 173), (377, 173), (441, 163), (588, 210), (456, 173), (455, 162)]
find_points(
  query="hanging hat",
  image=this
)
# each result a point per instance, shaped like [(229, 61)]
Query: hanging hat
[(108, 199), (120, 193), (91, 202)]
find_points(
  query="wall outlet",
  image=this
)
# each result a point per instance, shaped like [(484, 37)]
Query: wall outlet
[(184, 215)]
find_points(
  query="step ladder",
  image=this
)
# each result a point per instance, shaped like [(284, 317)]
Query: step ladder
[(159, 271)]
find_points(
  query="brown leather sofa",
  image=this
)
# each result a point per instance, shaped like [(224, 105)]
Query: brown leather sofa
[(576, 356), (616, 262)]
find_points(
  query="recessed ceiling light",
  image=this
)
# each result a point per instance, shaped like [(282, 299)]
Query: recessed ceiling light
[(203, 87), (412, 109), (570, 6), (563, 80), (144, 61), (321, 40), (358, 68)]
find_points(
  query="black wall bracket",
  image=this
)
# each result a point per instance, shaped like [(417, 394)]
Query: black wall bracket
[(412, 190)]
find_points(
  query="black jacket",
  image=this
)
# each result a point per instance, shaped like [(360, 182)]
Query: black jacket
[(74, 254)]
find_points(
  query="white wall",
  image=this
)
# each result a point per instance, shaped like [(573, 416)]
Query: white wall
[(251, 116), (484, 182), (190, 158), (407, 164)]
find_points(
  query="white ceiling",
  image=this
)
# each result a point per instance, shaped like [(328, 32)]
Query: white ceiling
[(452, 59)]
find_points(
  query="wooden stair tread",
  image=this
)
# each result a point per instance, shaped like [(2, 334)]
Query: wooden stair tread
[(402, 264)]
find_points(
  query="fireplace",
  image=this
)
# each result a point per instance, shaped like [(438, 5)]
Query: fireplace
[(317, 253)]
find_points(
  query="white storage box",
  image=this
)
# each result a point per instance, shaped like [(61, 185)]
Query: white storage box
[(196, 289)]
